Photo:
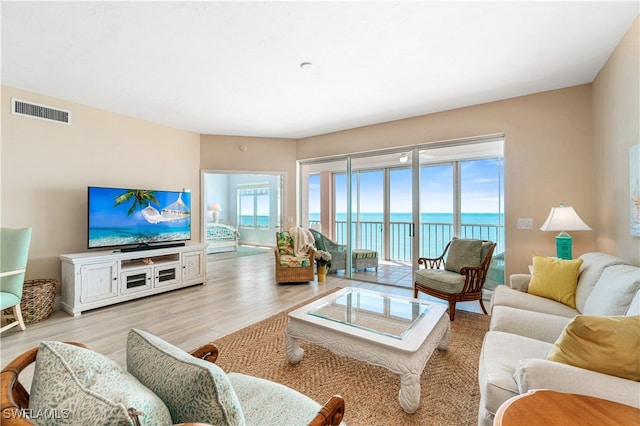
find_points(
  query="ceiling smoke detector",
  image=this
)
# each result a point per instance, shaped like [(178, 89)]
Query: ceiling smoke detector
[(307, 66)]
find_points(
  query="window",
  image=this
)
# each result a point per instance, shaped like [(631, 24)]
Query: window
[(253, 205)]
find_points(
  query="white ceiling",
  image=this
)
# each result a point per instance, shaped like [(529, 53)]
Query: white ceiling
[(233, 68)]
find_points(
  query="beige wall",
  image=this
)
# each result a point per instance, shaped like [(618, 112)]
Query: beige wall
[(569, 145), (616, 117), (222, 153), (549, 158), (46, 168), (560, 146)]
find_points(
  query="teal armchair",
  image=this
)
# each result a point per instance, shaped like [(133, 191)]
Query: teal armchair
[(14, 251), (338, 251)]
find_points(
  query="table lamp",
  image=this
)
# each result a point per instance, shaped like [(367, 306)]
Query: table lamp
[(215, 210), (564, 219)]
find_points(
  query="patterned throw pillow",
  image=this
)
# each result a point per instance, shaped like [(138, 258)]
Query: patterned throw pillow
[(194, 390), (73, 385), (285, 244)]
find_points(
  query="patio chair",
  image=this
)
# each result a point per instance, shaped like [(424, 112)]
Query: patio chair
[(14, 253), (460, 277), (290, 268), (338, 251)]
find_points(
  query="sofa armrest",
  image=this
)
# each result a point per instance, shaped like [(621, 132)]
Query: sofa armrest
[(519, 282), (542, 374), (535, 325)]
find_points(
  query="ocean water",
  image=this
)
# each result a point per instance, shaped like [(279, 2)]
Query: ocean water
[(105, 237), (436, 230), (262, 221), (467, 218)]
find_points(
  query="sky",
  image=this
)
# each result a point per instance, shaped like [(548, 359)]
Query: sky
[(481, 184)]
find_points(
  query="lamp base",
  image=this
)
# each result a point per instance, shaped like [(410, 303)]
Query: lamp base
[(563, 246)]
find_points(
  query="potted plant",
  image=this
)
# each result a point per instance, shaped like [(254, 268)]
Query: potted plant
[(323, 261)]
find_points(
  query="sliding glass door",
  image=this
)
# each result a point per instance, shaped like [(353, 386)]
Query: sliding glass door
[(436, 208), (407, 204)]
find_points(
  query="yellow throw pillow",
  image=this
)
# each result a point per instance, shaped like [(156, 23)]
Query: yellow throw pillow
[(555, 279), (609, 345)]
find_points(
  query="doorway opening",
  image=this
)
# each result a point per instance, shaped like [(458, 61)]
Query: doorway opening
[(242, 210)]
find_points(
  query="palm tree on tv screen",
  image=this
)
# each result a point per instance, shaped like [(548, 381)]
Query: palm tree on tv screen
[(140, 199)]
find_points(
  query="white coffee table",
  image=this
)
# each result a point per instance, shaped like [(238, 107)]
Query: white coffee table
[(393, 332)]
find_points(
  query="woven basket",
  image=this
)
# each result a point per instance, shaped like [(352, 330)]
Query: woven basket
[(37, 300)]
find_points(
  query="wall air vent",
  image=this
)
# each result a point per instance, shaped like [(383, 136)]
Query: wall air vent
[(42, 112)]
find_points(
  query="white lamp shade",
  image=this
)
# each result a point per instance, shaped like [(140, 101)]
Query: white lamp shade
[(215, 207), (564, 219)]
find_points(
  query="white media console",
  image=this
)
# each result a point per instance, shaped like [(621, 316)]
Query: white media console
[(99, 278)]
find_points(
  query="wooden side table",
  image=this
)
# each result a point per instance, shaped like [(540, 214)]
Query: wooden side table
[(546, 407)]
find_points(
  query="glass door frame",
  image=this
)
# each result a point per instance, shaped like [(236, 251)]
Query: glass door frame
[(416, 166)]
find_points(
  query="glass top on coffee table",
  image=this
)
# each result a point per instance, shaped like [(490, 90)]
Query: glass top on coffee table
[(383, 314)]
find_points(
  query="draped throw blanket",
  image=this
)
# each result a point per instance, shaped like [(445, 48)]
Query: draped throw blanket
[(302, 240)]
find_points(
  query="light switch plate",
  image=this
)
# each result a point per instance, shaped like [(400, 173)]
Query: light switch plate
[(525, 223)]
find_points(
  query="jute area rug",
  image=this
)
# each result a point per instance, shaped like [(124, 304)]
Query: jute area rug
[(449, 384)]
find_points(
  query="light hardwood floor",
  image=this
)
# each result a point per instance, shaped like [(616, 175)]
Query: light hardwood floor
[(238, 292)]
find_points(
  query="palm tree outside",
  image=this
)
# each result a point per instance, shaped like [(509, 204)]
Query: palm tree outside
[(140, 199)]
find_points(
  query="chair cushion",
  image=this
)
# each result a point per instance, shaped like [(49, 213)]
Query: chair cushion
[(290, 261), (484, 250), (438, 279), (84, 387), (193, 389), (555, 279), (614, 291), (262, 400), (608, 345), (463, 253), (285, 244), (364, 254), (8, 300)]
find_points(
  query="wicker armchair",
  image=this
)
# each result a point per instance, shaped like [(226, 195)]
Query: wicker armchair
[(288, 267), (453, 279), (15, 398), (338, 251)]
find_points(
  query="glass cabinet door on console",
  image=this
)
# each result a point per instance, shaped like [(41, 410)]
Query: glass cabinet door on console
[(166, 274), (135, 279)]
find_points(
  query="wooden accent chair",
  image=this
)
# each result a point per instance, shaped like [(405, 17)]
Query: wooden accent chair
[(457, 276), (14, 251), (15, 398), (288, 267)]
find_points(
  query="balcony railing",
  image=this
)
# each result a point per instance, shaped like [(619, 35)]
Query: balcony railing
[(435, 236)]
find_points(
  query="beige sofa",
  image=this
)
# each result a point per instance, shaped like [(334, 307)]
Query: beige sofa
[(524, 327)]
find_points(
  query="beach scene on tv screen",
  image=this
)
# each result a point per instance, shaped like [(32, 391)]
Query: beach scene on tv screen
[(133, 216)]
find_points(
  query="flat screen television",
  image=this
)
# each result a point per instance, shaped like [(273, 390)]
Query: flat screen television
[(137, 218)]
